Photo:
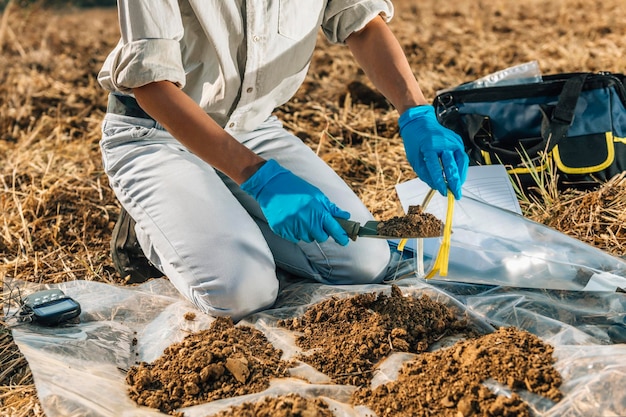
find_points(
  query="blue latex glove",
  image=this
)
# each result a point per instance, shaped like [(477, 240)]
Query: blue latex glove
[(436, 153), (295, 209)]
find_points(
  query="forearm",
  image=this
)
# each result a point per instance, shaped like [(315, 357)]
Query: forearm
[(381, 57), (192, 127)]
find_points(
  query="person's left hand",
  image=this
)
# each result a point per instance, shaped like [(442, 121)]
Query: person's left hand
[(436, 153)]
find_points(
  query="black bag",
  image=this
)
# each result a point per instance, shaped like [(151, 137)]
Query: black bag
[(576, 121)]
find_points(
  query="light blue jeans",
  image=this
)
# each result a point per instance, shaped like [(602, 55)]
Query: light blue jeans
[(208, 236)]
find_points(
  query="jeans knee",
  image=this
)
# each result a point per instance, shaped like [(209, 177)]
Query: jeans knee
[(368, 265), (373, 271), (237, 297)]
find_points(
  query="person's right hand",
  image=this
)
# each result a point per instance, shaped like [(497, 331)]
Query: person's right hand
[(295, 209)]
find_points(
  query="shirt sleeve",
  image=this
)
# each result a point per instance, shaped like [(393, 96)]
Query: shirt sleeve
[(344, 17), (149, 48)]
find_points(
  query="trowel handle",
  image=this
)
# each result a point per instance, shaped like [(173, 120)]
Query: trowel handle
[(351, 227)]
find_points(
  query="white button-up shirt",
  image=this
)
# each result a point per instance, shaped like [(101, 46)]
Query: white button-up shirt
[(238, 59)]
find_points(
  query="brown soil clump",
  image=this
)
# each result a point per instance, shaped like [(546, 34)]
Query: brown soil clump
[(221, 362), (416, 223), (448, 382), (290, 405), (348, 337)]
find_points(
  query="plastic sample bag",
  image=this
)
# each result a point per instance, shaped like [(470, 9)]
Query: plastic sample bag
[(528, 72), (494, 246)]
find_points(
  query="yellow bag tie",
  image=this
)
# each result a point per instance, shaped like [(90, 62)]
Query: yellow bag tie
[(441, 261)]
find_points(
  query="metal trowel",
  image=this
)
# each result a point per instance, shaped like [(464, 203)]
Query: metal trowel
[(370, 229)]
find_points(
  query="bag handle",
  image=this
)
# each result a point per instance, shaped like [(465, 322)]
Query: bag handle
[(554, 126)]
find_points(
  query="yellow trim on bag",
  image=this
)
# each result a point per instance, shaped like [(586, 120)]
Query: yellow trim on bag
[(610, 140), (486, 157), (524, 170), (538, 168), (591, 169)]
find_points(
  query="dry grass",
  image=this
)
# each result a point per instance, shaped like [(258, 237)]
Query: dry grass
[(597, 217), (58, 211)]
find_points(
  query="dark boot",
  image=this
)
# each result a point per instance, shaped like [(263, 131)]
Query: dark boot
[(128, 258)]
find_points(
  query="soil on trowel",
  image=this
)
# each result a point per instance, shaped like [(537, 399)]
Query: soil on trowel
[(221, 362), (416, 223), (449, 382), (290, 405), (346, 338)]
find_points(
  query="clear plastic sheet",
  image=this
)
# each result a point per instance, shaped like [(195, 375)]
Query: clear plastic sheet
[(78, 368)]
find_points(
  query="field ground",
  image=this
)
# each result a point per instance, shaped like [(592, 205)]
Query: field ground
[(58, 211)]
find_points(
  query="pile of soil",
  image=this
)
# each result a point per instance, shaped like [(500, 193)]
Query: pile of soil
[(346, 338), (221, 362), (416, 223), (290, 405), (448, 382)]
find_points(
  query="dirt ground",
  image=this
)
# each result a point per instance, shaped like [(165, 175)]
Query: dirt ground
[(290, 405), (449, 382), (221, 362), (346, 339), (59, 212)]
